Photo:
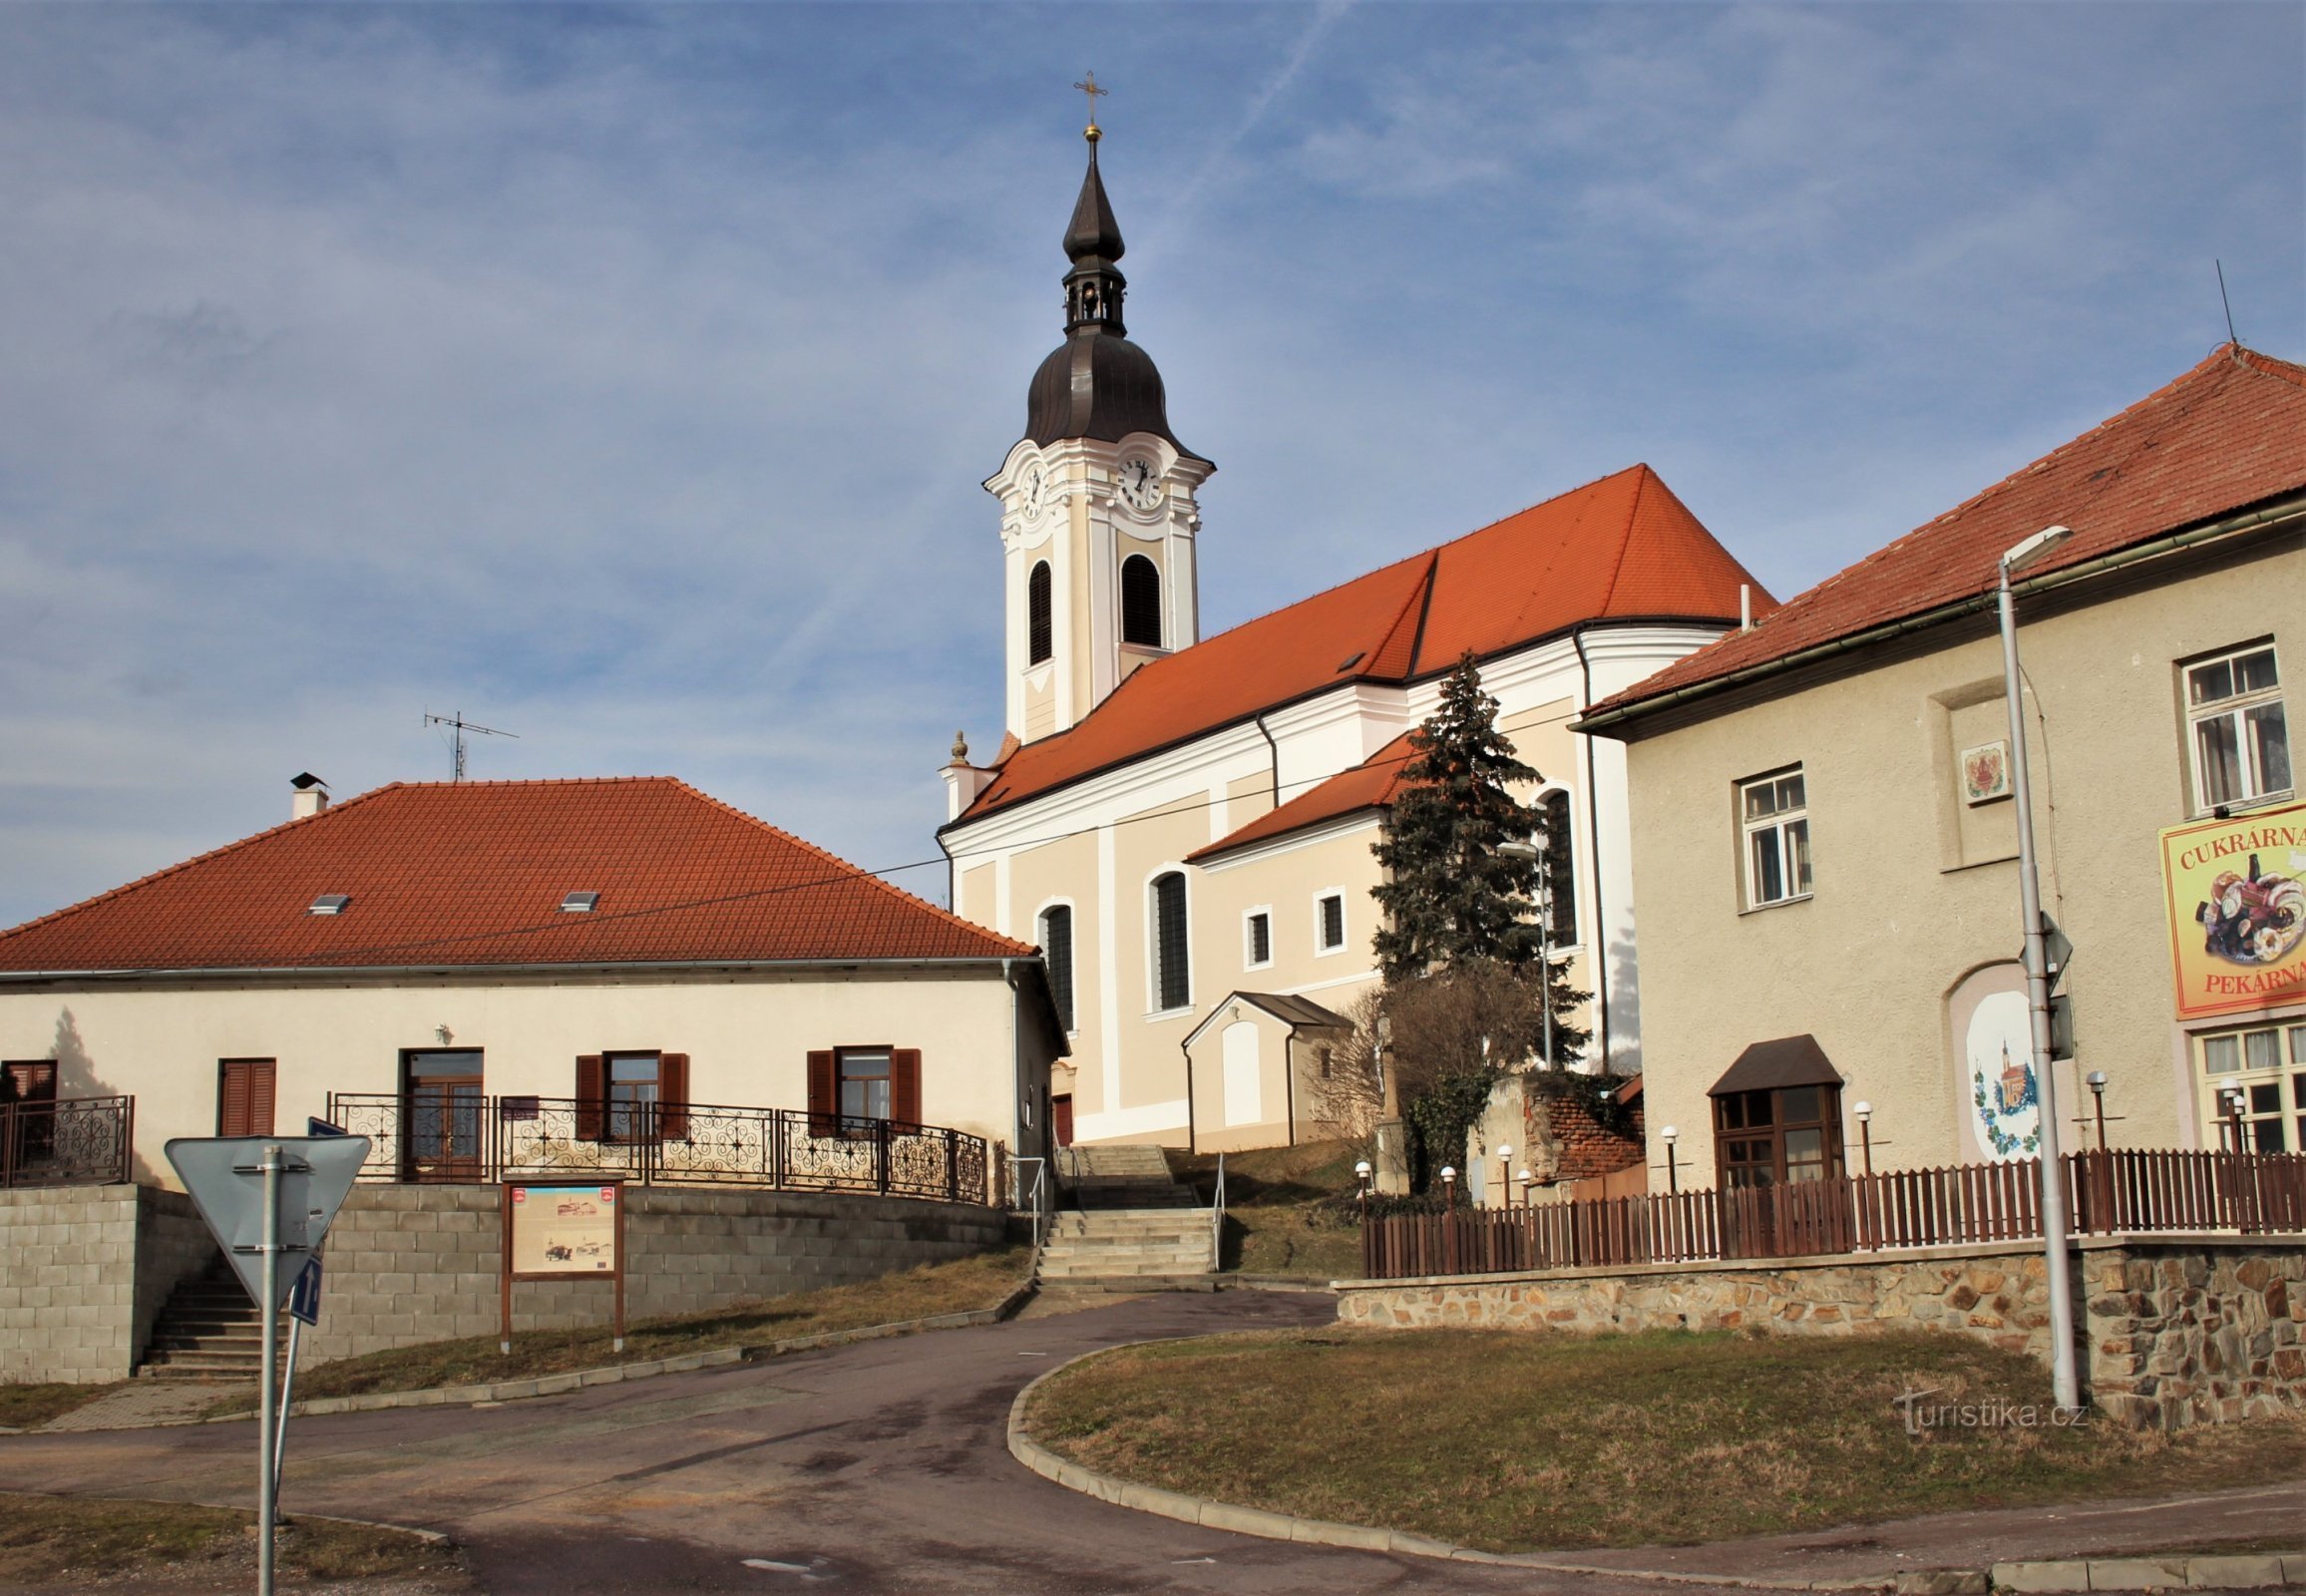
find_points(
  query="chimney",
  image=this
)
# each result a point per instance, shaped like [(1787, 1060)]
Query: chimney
[(310, 798)]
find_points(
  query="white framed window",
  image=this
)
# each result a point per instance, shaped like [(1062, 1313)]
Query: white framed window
[(1169, 943), (2237, 736), (1557, 868), (1773, 814), (2255, 1078), (1329, 921), (1257, 938)]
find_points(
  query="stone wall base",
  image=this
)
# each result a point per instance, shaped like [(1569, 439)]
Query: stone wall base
[(2174, 1330), (86, 1270)]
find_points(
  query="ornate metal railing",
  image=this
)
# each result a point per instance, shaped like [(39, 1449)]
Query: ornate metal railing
[(2123, 1191), (472, 1137), (72, 1142)]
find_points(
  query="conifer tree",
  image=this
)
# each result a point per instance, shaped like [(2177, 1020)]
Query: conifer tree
[(1451, 897)]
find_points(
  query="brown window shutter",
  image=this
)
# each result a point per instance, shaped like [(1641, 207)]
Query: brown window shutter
[(592, 1096), (231, 1100), (260, 1089), (905, 1085), (672, 1096), (824, 1095)]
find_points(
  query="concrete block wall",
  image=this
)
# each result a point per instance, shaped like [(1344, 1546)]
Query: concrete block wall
[(2174, 1330), (409, 1264), (68, 1283), (172, 1245)]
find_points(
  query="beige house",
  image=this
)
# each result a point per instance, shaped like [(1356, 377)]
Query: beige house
[(1823, 837), (534, 973), (1183, 824)]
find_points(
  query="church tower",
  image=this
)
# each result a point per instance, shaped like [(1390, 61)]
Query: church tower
[(1097, 502)]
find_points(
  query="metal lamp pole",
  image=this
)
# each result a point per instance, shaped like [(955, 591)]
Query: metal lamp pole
[(267, 1499), (1523, 848), (2067, 1386)]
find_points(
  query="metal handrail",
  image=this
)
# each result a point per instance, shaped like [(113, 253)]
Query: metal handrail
[(1034, 1199), (1217, 1221), (484, 1138)]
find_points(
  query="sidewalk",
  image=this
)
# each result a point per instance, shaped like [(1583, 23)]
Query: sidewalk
[(1980, 1540), (148, 1402)]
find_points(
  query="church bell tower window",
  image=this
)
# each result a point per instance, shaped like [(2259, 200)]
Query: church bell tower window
[(1039, 644), (1140, 603)]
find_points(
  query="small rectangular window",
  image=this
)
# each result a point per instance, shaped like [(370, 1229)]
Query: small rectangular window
[(2238, 736), (1775, 813), (1258, 930), (865, 1082), (1332, 921)]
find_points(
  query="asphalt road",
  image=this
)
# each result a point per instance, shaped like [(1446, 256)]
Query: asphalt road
[(881, 1466)]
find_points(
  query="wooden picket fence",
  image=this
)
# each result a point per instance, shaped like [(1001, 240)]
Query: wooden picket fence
[(2127, 1191)]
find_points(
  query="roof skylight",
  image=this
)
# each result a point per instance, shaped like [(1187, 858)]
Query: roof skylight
[(329, 903), (580, 902)]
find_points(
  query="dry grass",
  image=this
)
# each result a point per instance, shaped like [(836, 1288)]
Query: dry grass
[(24, 1405), (1520, 1442), (1273, 1225), (77, 1540), (983, 1280)]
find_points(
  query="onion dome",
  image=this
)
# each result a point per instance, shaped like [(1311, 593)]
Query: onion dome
[(1096, 385)]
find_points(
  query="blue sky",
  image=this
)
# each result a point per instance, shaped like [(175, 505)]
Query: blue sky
[(626, 377)]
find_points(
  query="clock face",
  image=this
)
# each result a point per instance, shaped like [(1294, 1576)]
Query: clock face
[(1035, 487), (1140, 483)]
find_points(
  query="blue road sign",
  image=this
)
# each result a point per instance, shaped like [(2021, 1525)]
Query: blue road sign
[(305, 1293)]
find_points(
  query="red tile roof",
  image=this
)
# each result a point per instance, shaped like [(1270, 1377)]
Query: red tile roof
[(1621, 549), (2227, 435), (472, 874), (1368, 785)]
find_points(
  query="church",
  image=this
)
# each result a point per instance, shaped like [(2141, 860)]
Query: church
[(1184, 824)]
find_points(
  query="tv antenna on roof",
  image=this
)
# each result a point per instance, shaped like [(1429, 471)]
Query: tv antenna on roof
[(461, 725)]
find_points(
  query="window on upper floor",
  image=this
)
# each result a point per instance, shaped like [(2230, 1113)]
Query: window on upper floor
[(1557, 869), (1172, 972), (1057, 953), (2236, 734), (1039, 636), (1329, 921), (1773, 814), (1257, 938), (1140, 603)]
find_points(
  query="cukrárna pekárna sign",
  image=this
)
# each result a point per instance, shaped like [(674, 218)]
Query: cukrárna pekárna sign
[(2237, 895)]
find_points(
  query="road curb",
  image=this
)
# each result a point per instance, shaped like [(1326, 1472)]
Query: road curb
[(1213, 1514), (2210, 1571), (505, 1390)]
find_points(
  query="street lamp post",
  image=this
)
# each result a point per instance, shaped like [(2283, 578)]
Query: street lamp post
[(1864, 1112), (2063, 1378), (1523, 848), (1505, 1177), (1449, 1186), (2096, 1080), (1667, 1134)]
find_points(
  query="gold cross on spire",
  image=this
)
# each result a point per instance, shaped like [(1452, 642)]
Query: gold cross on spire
[(1094, 93)]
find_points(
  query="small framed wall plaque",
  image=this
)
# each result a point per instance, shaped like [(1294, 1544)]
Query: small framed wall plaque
[(1985, 773), (562, 1231)]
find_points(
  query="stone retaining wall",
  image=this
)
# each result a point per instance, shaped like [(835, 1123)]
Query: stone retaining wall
[(78, 1295), (2176, 1330), (409, 1264)]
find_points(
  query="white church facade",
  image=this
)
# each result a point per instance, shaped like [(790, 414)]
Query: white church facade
[(1184, 824)]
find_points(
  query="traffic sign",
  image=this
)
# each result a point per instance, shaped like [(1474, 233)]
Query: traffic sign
[(305, 1293), (226, 1178), (316, 1126)]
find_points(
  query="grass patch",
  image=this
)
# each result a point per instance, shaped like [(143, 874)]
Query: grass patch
[(24, 1405), (82, 1539), (1521, 1442), (983, 1280), (1274, 1221)]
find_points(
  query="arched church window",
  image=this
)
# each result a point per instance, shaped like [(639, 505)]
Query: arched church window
[(1558, 869), (1140, 601), (1058, 954), (1038, 643), (1172, 976)]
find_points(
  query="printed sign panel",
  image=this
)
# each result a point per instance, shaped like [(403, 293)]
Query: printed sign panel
[(2236, 891), (2004, 1087), (564, 1230)]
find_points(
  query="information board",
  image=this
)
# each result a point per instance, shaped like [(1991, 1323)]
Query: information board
[(564, 1230)]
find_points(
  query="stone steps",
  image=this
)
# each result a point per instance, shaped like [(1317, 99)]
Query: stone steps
[(1150, 1247), (208, 1330)]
